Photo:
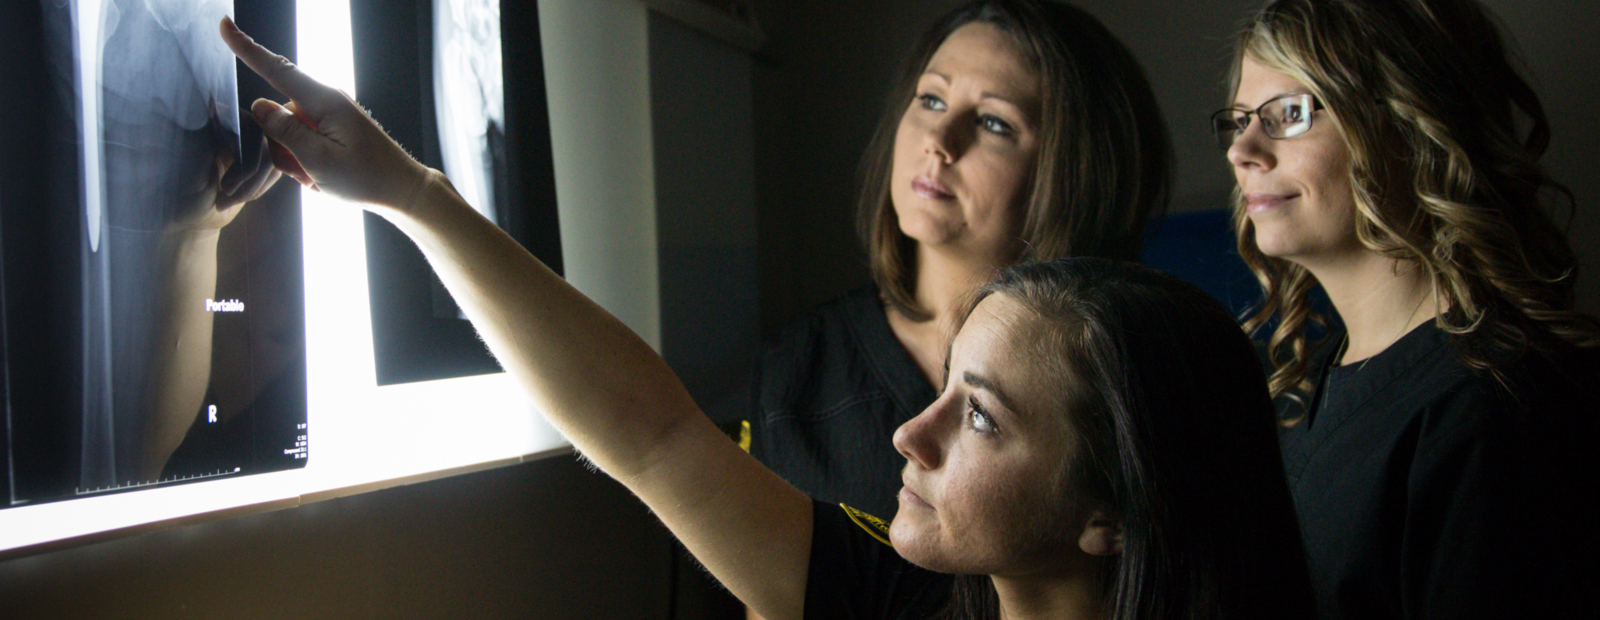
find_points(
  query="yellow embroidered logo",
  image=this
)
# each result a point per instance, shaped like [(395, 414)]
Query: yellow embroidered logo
[(873, 525), (739, 432)]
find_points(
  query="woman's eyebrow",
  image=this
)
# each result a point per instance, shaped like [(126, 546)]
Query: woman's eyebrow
[(991, 387), (1001, 98)]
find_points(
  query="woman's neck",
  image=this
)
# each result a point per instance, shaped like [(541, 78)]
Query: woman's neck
[(943, 281), (945, 278), (1379, 300), (1049, 599)]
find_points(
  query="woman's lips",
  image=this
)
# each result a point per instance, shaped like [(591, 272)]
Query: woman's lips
[(930, 189), (909, 497), (1258, 203)]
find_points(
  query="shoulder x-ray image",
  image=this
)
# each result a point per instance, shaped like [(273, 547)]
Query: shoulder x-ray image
[(467, 87), (436, 74)]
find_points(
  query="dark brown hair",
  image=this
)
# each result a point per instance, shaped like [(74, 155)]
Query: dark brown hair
[(1431, 107), (1176, 439), (1104, 163)]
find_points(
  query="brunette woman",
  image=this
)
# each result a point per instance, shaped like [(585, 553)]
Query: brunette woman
[(1019, 130)]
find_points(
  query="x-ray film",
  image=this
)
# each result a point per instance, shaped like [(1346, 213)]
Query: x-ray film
[(158, 89), (468, 98), (462, 81), (176, 336)]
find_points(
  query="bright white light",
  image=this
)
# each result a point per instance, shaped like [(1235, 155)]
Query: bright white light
[(361, 435)]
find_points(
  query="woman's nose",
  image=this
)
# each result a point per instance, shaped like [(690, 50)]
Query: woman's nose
[(1252, 148), (919, 439), (943, 139)]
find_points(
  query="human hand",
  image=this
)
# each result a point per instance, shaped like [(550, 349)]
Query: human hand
[(322, 138), (242, 183), (215, 196)]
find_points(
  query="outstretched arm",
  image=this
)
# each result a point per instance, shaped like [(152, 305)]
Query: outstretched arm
[(596, 381)]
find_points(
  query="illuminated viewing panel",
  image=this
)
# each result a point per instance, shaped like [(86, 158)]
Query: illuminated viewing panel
[(146, 374)]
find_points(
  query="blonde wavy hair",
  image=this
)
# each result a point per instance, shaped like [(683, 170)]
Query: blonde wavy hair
[(1445, 136)]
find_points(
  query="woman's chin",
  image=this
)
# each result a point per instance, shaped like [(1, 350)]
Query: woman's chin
[(1275, 245), (914, 543), (929, 228)]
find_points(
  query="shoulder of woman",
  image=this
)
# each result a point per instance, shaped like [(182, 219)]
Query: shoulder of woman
[(828, 328), (1539, 396)]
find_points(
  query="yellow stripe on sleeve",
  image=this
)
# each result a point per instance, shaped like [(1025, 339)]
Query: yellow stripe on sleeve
[(873, 525)]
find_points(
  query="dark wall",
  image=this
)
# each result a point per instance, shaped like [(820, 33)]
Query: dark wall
[(819, 86), (548, 539)]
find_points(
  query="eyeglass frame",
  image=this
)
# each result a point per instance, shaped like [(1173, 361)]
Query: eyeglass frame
[(1233, 113)]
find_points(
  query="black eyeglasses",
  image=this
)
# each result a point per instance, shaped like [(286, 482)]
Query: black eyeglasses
[(1283, 117)]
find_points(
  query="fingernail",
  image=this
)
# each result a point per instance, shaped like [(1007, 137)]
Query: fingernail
[(228, 23)]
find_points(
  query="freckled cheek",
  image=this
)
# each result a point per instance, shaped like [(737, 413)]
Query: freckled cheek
[(1325, 170), (988, 505)]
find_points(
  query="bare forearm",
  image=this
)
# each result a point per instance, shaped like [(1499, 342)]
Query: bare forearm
[(616, 400), (597, 381)]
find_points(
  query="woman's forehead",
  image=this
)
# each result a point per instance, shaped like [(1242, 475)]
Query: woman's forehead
[(989, 56), (1006, 346), (995, 316), (995, 340), (1260, 81)]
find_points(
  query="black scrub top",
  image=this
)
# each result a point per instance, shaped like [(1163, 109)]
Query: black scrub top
[(1428, 490), (826, 399), (855, 575)]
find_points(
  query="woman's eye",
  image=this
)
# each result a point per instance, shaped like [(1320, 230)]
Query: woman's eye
[(994, 125), (981, 421), (930, 102)]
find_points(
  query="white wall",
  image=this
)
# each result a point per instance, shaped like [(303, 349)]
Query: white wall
[(596, 67)]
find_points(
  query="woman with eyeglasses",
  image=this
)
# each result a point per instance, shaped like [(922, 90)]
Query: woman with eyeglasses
[(1440, 440)]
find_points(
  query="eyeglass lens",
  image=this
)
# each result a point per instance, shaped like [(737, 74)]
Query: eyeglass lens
[(1284, 117)]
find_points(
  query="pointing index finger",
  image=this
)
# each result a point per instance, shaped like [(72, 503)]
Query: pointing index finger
[(277, 70)]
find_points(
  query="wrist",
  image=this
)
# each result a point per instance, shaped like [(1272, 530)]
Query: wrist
[(411, 196), (181, 242), (431, 193)]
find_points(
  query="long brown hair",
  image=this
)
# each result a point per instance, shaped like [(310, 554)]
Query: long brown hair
[(1175, 433), (1431, 107), (1104, 163)]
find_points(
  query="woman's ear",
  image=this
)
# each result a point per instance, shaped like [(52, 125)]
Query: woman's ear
[(1101, 536)]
